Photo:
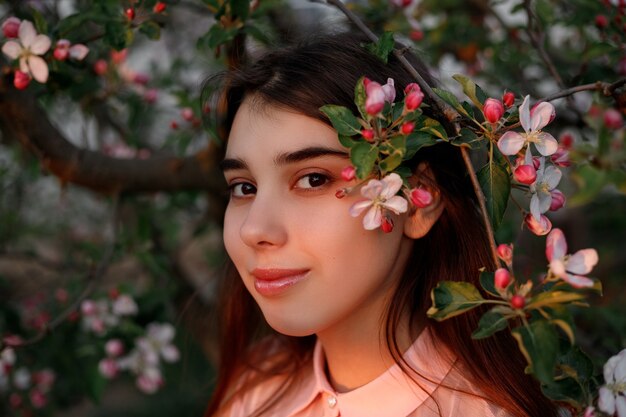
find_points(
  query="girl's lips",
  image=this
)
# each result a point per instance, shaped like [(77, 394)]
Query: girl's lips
[(273, 281)]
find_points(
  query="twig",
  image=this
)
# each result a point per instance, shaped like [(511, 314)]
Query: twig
[(92, 281), (444, 110), (606, 88)]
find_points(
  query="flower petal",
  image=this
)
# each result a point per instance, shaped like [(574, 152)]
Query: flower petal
[(27, 33), (396, 204), (620, 406), (372, 189), (535, 207), (578, 281), (12, 49), (609, 369), (545, 199), (556, 245), (24, 65), (78, 52), (546, 144), (552, 176), (542, 114), (40, 45), (524, 114), (358, 207), (606, 402), (558, 267), (392, 184), (620, 369), (582, 262), (373, 218), (511, 143), (38, 68)]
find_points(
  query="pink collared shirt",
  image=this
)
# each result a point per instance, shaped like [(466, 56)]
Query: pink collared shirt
[(392, 394)]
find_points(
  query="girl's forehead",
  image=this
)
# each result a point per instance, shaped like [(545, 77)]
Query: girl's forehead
[(262, 128)]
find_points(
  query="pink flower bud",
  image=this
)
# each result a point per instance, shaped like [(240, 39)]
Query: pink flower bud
[(558, 200), (141, 78), (10, 27), (613, 119), (502, 278), (159, 7), (348, 173), (108, 368), (187, 114), (539, 228), (518, 301), (411, 87), (413, 100), (375, 100), (21, 80), (421, 198), (88, 307), (151, 95), (526, 174), (114, 348), (387, 224), (505, 252), (566, 140), (341, 193), (407, 128), (508, 99), (493, 110), (416, 35), (37, 398), (62, 50), (601, 21), (100, 67), (173, 125), (119, 56), (390, 90), (368, 134), (130, 13), (561, 158)]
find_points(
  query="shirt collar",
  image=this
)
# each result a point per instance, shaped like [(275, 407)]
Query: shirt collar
[(432, 363)]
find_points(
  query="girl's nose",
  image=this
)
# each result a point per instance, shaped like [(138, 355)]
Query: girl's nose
[(264, 225)]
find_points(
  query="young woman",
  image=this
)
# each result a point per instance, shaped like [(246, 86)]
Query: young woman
[(321, 317)]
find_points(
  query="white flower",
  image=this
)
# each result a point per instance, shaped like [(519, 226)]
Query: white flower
[(570, 268), (157, 342), (124, 305), (380, 195), (21, 378), (150, 380), (532, 121), (547, 180), (28, 49), (613, 393)]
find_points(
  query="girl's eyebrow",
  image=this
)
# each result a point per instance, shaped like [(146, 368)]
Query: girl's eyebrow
[(287, 157)]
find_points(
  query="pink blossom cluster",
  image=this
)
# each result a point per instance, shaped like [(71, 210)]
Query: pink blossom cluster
[(101, 315), (25, 389), (144, 359)]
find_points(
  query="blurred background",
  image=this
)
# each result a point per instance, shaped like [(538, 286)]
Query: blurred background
[(111, 201)]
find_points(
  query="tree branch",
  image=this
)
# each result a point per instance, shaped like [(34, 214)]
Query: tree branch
[(605, 88), (22, 117)]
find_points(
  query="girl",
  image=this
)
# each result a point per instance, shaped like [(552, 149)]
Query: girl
[(319, 316)]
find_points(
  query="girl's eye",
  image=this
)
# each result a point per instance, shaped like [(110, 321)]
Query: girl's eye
[(242, 189), (313, 180)]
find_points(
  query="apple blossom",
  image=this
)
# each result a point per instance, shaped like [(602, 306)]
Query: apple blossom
[(502, 278), (124, 305), (558, 200), (569, 268), (613, 119), (44, 379), (420, 197), (532, 122), (151, 95), (561, 158), (21, 80), (547, 180), (380, 195), (526, 174), (130, 13), (414, 96), (601, 21), (21, 378), (387, 224), (149, 381), (187, 113), (505, 252), (416, 35), (407, 128), (65, 49), (38, 398), (377, 95), (114, 347), (518, 301), (348, 173), (28, 49), (159, 7), (10, 27), (100, 67), (508, 99), (613, 393), (368, 134), (493, 109), (566, 140), (108, 368), (540, 227), (158, 341)]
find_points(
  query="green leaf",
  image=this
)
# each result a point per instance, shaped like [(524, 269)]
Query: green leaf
[(256, 33), (240, 8), (551, 298), (216, 36), (452, 298), (40, 22), (539, 344), (468, 139), (383, 47), (471, 90), (342, 119), (347, 141), (417, 140), (363, 156), (590, 181), (491, 322), (115, 35), (488, 283), (151, 29), (434, 128), (360, 97), (451, 99), (575, 371), (496, 186), (391, 162)]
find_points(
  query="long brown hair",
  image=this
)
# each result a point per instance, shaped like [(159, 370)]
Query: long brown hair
[(303, 78)]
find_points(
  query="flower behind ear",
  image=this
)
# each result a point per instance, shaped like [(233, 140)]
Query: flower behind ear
[(380, 196)]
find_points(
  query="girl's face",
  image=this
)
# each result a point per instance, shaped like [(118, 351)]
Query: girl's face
[(308, 264)]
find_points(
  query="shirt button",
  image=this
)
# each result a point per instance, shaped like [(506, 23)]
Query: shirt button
[(332, 401)]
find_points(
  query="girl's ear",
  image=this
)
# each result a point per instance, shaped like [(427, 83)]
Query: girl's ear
[(421, 220)]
